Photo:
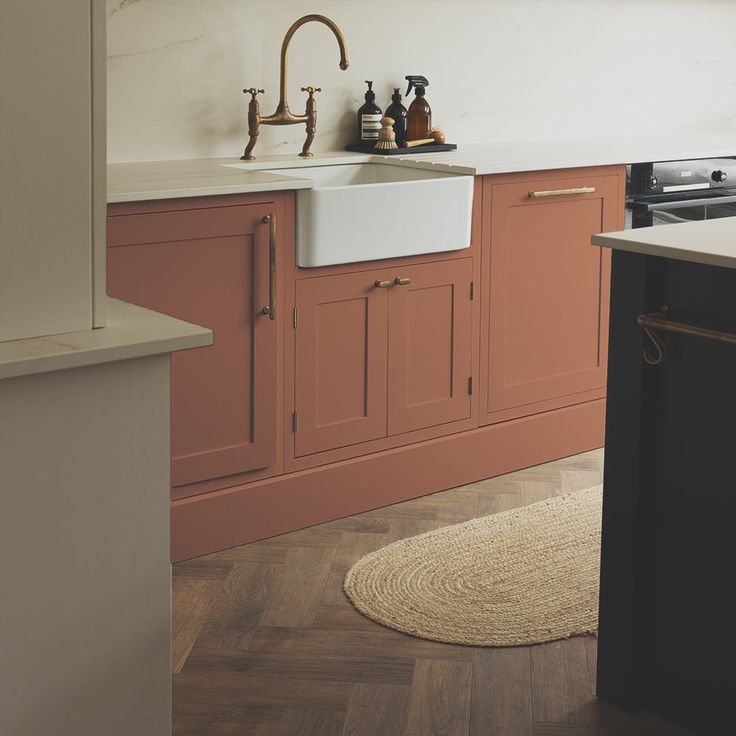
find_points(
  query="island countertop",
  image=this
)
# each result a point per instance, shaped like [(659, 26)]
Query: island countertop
[(146, 180), (710, 242)]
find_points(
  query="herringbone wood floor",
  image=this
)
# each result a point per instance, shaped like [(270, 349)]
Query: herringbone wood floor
[(265, 642)]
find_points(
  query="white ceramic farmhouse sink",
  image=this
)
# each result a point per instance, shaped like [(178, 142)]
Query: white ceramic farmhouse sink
[(367, 211)]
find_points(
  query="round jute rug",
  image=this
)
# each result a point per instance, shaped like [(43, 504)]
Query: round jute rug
[(524, 576)]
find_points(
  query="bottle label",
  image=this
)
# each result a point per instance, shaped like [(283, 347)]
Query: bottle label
[(369, 127)]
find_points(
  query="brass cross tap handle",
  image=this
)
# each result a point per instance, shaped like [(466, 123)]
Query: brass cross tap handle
[(254, 120), (311, 90)]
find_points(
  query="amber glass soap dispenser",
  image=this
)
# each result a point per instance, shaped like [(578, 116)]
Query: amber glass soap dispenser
[(369, 117), (419, 119)]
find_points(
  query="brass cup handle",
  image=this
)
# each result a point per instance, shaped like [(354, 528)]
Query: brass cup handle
[(270, 310), (401, 281), (382, 284)]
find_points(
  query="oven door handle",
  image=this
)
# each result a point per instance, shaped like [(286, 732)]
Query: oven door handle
[(641, 206)]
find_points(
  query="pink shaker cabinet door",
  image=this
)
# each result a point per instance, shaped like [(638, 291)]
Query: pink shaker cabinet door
[(430, 347), (208, 266), (341, 355), (547, 293)]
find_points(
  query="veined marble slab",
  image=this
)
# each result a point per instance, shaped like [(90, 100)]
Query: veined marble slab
[(147, 180)]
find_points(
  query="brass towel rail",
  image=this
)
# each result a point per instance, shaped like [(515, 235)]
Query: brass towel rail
[(657, 352)]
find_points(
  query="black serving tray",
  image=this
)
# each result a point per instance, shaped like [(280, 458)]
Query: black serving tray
[(429, 148)]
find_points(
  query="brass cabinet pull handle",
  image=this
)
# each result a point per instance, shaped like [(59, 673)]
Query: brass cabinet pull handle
[(561, 192), (381, 284), (270, 310), (401, 282)]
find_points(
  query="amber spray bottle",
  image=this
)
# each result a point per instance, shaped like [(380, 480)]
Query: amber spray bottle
[(419, 119)]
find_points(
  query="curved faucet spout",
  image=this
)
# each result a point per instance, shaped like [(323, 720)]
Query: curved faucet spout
[(283, 106)]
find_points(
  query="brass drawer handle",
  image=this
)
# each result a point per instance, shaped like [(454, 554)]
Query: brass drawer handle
[(381, 284), (401, 282), (561, 192), (270, 310)]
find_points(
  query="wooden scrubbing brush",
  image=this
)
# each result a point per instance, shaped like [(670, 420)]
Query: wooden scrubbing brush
[(386, 136), (435, 136)]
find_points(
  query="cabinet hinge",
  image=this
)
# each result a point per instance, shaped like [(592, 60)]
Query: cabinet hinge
[(470, 385), (472, 290), (294, 422), (295, 318)]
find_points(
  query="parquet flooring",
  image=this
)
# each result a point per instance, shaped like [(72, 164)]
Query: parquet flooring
[(266, 644)]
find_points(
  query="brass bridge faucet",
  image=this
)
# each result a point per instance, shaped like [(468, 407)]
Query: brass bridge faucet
[(283, 116)]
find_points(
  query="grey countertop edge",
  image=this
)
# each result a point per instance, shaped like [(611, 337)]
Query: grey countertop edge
[(706, 242), (131, 332)]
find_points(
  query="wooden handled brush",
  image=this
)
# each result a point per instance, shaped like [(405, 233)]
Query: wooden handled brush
[(386, 136), (436, 136)]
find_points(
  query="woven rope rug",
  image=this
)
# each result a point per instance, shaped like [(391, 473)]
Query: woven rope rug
[(524, 576)]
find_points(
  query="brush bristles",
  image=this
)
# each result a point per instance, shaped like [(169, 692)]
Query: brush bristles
[(386, 145)]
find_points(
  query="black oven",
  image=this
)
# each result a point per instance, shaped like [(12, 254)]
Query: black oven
[(680, 191)]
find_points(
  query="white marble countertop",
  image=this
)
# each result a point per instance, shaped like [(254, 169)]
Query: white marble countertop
[(147, 180), (712, 242), (131, 332)]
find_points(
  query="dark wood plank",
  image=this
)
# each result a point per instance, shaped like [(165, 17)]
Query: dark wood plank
[(403, 527), (271, 641), (192, 599), (440, 699), (298, 589), (217, 719), (312, 723), (447, 507), (204, 568), (502, 692), (562, 684), (198, 684), (239, 607), (495, 502), (376, 710), (359, 523), (342, 616), (347, 668), (353, 545)]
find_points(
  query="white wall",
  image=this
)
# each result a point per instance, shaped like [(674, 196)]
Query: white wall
[(498, 69)]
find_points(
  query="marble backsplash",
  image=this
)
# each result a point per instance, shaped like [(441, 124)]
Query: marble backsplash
[(498, 69)]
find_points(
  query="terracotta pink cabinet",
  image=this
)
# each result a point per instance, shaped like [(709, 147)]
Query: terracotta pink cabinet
[(341, 361), (381, 352), (429, 345), (546, 289), (209, 266)]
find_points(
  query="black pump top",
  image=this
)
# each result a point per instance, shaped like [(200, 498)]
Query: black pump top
[(418, 82), (370, 95), (396, 96)]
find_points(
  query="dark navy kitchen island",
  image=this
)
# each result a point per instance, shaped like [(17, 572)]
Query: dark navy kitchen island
[(667, 569)]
